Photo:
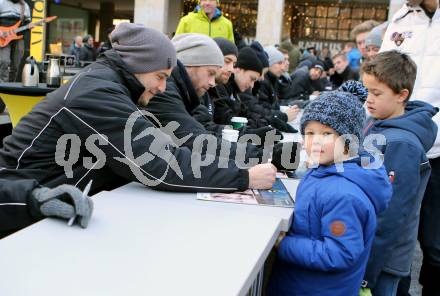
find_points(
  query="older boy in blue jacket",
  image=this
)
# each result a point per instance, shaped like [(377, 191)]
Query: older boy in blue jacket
[(326, 249), (409, 132)]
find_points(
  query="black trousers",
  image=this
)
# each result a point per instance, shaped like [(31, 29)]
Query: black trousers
[(429, 237), (429, 233)]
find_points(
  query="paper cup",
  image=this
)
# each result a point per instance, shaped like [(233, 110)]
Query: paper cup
[(239, 122), (230, 135)]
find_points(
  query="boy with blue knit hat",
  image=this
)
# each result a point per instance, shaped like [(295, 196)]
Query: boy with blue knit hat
[(356, 88), (410, 132), (326, 249)]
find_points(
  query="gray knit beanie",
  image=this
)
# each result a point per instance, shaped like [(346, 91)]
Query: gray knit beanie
[(142, 49), (275, 56), (341, 111), (197, 50), (375, 35)]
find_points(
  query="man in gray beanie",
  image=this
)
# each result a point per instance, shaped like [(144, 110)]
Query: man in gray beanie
[(201, 57), (373, 41), (268, 95), (96, 114)]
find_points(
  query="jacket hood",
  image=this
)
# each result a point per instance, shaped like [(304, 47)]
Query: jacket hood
[(379, 194), (112, 59), (417, 120), (217, 14)]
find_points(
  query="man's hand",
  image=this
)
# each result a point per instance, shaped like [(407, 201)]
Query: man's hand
[(292, 113), (279, 239), (262, 176)]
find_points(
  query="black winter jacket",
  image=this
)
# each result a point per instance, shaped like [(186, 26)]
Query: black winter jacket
[(87, 53), (302, 86), (348, 74), (16, 207), (228, 103), (178, 103), (204, 114), (268, 96), (90, 118)]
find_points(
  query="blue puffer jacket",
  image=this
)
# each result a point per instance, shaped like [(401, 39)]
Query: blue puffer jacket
[(326, 249), (408, 138)]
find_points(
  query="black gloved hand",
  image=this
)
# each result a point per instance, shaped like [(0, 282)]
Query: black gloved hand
[(262, 133), (282, 125), (64, 201), (287, 160)]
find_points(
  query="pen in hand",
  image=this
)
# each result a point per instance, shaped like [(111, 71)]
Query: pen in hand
[(84, 195)]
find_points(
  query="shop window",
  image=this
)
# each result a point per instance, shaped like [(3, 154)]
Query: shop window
[(331, 21)]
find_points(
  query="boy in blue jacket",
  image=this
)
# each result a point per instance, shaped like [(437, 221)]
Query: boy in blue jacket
[(409, 132), (326, 249)]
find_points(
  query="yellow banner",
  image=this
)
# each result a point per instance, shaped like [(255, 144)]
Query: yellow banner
[(38, 33)]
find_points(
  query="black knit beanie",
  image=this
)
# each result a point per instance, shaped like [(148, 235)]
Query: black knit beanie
[(261, 54), (248, 60)]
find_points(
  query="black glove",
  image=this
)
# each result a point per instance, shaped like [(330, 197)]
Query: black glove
[(282, 125), (262, 133), (286, 161), (64, 201)]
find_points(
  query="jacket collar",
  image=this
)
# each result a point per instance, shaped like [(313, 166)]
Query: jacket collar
[(112, 59), (200, 11), (271, 78), (233, 88), (185, 87)]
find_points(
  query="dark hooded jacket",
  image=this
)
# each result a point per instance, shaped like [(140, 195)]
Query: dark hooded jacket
[(408, 138), (95, 116)]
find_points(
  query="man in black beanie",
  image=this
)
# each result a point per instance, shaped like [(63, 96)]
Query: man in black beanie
[(204, 113), (91, 128), (199, 59)]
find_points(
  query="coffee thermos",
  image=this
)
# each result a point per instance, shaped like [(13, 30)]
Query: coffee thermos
[(30, 75), (53, 73)]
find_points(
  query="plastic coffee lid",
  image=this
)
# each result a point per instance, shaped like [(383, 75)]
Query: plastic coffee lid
[(230, 131), (239, 119)]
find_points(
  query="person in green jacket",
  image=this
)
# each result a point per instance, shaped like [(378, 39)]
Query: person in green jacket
[(206, 19)]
